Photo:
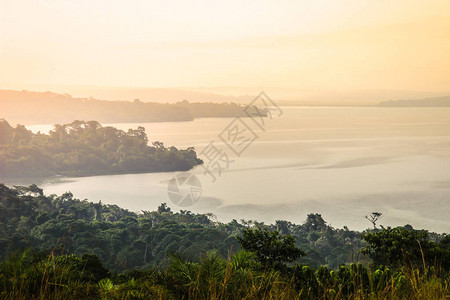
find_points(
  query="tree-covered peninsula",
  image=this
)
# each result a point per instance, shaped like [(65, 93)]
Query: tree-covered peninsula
[(85, 149)]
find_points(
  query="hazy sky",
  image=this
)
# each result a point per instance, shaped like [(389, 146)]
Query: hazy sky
[(395, 44)]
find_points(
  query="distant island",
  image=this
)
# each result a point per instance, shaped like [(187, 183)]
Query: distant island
[(425, 102), (29, 108), (86, 149)]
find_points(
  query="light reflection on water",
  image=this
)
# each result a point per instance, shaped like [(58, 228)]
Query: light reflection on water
[(341, 162)]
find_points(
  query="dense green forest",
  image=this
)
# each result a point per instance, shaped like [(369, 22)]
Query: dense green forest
[(27, 107), (60, 247), (84, 149)]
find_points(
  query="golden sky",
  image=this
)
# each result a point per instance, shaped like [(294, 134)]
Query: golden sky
[(307, 44)]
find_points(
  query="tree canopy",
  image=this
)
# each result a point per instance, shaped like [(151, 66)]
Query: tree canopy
[(270, 247), (86, 148), (59, 247), (405, 246)]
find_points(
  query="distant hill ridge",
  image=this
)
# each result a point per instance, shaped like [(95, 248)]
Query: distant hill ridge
[(26, 107), (425, 102)]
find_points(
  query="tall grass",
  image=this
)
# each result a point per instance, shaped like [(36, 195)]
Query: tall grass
[(27, 276)]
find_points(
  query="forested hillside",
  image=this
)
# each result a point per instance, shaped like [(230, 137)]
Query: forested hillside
[(61, 247), (125, 239), (86, 148)]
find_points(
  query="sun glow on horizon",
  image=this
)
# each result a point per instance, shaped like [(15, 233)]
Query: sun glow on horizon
[(302, 44)]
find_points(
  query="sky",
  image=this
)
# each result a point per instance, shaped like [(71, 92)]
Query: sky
[(307, 44)]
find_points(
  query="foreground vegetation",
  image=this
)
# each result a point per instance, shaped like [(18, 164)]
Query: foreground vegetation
[(58, 247), (27, 275), (126, 240), (85, 149)]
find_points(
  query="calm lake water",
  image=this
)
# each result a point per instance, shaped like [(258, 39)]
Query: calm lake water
[(341, 162)]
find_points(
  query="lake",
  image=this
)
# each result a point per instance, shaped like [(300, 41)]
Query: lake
[(343, 163)]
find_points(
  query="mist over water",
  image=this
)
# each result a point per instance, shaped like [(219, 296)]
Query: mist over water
[(341, 162)]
